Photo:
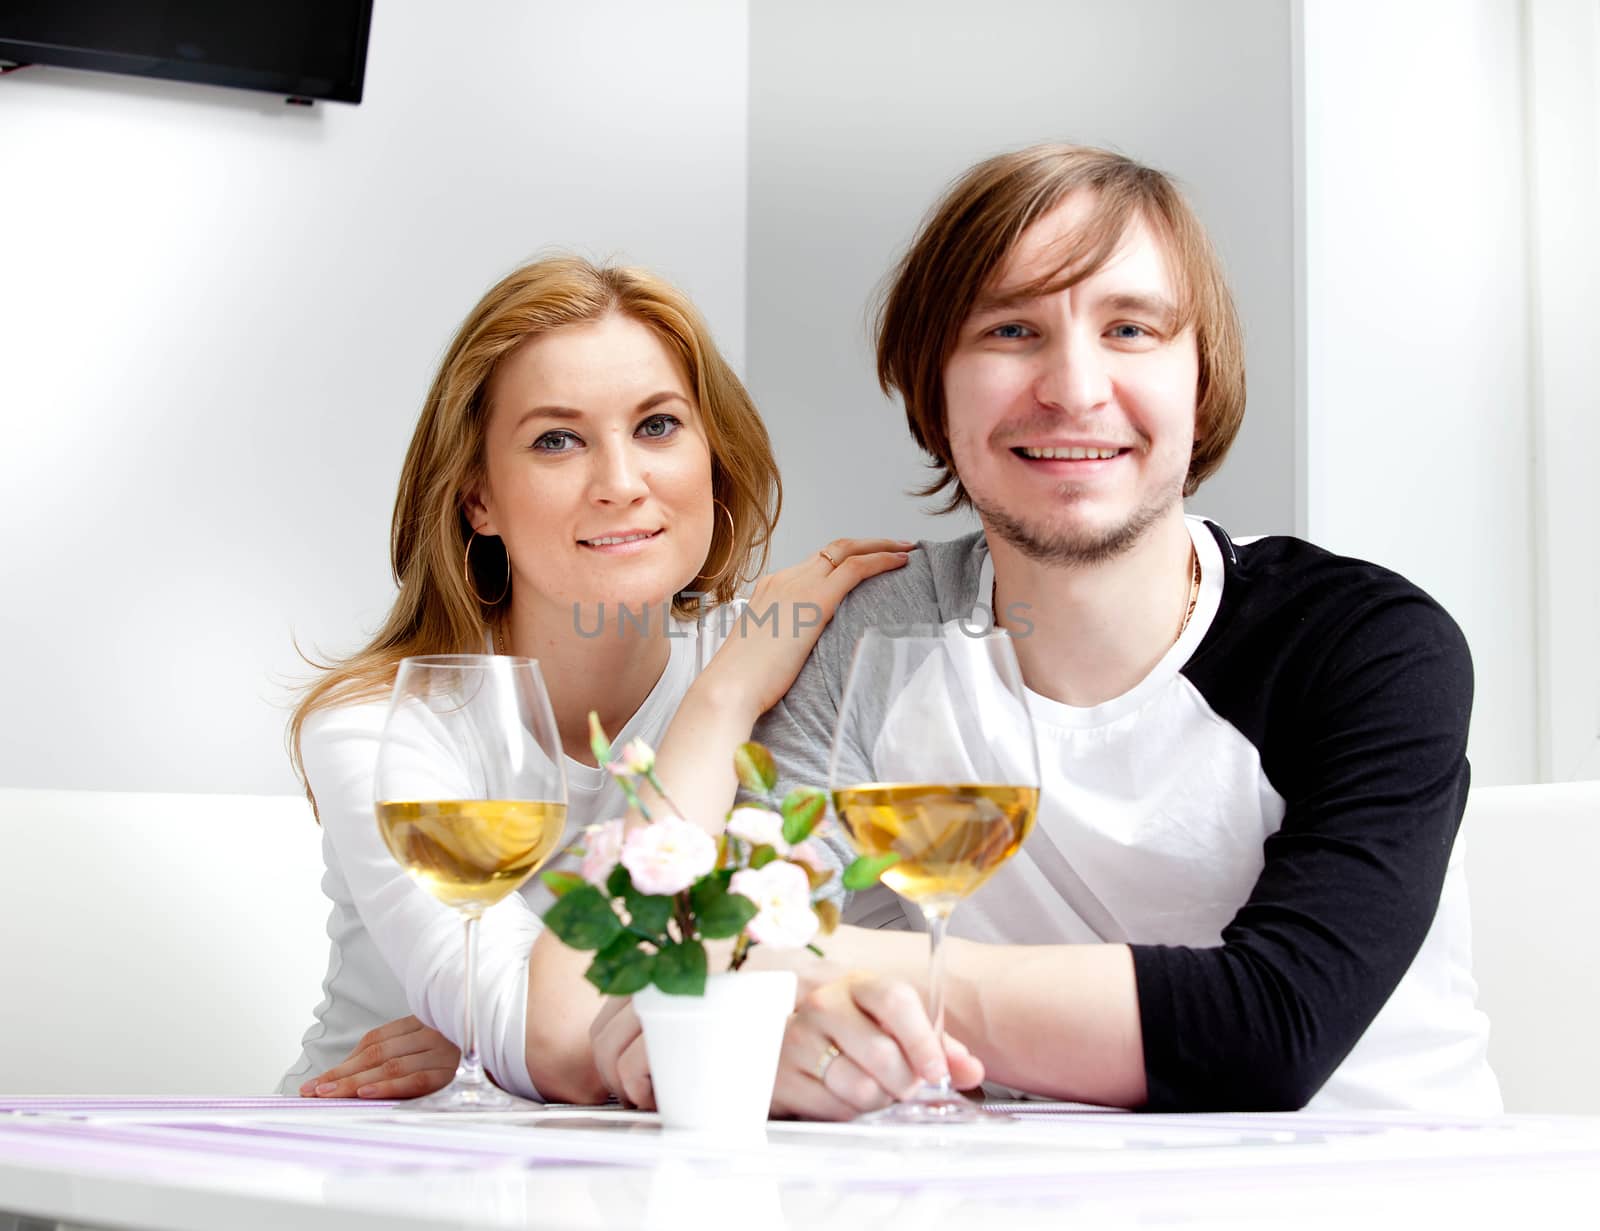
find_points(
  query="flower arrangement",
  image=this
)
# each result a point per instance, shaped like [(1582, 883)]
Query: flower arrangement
[(649, 893)]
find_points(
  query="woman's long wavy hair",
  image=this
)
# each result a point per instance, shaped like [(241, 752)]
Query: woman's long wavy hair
[(437, 611)]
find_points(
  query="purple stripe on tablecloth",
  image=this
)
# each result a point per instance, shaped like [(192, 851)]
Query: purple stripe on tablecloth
[(239, 1142), (275, 1103)]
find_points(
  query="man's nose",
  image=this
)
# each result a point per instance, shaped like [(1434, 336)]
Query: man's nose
[(618, 477), (1072, 376)]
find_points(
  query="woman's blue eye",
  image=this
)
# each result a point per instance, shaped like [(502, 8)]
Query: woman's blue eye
[(555, 442), (1129, 332), (659, 427), (1010, 331)]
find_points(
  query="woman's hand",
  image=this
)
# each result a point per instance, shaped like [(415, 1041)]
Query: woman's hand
[(786, 613), (401, 1060), (619, 1055), (859, 1043)]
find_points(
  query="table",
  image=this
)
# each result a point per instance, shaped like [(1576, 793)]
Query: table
[(259, 1163)]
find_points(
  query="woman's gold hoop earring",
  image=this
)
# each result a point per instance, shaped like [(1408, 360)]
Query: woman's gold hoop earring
[(715, 576), (466, 575)]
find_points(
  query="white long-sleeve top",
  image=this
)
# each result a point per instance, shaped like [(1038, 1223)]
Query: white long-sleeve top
[(395, 949)]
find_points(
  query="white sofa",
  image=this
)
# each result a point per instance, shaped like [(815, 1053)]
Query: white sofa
[(1533, 863), (156, 944)]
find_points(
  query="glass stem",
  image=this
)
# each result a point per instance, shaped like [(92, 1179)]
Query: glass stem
[(470, 1070), (938, 920)]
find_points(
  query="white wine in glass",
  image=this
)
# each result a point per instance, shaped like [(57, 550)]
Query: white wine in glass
[(934, 761), (471, 800)]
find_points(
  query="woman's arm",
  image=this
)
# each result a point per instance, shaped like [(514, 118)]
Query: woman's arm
[(749, 672), (418, 936)]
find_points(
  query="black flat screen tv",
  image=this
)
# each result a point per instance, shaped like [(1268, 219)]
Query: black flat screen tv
[(302, 49)]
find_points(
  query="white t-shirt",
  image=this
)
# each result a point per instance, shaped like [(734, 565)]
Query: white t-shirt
[(395, 949), (1267, 820)]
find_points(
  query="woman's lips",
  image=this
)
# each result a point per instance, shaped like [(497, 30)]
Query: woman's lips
[(627, 543)]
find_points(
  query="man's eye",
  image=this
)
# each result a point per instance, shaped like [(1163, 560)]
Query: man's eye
[(659, 427), (555, 442), (1010, 331)]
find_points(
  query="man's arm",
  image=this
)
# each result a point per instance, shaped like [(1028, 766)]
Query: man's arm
[(1370, 756), (1374, 789)]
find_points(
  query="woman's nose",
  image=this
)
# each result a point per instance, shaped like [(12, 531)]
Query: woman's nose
[(618, 477)]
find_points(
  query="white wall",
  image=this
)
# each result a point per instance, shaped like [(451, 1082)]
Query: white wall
[(1563, 66), (218, 318), (218, 315), (861, 113), (1418, 422)]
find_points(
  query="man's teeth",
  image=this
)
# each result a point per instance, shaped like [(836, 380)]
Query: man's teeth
[(614, 539), (1074, 454)]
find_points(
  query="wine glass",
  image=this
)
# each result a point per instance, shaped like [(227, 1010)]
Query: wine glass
[(471, 798), (934, 760)]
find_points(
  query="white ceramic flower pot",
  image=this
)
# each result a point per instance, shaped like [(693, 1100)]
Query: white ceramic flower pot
[(714, 1058)]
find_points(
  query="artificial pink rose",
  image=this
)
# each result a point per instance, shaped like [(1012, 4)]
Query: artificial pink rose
[(782, 892), (636, 758), (602, 847), (668, 855), (760, 826), (811, 854)]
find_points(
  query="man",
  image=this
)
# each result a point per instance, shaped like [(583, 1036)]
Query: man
[(1239, 892)]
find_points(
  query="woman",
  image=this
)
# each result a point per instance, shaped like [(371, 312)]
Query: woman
[(584, 451)]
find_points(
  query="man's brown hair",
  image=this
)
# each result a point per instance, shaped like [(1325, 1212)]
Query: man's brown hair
[(967, 236)]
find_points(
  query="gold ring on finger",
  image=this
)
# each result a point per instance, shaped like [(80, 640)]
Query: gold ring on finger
[(823, 1061), (835, 564)]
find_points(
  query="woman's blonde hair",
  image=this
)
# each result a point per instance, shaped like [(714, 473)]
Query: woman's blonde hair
[(437, 611), (967, 236)]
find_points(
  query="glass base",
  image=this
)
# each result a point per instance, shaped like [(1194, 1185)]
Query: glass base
[(462, 1095), (930, 1105)]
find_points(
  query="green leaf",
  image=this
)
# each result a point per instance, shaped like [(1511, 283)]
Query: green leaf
[(864, 872), (720, 914), (598, 743), (619, 882), (647, 912), (762, 856), (562, 883), (757, 770), (622, 967), (802, 808), (583, 919), (680, 969)]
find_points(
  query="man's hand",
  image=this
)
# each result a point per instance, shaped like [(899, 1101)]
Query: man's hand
[(401, 1060), (859, 1043)]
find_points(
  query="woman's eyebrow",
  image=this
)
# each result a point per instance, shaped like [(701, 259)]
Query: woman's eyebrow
[(655, 399), (568, 414), (565, 413)]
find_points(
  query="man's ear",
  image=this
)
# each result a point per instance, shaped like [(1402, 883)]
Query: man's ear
[(477, 510)]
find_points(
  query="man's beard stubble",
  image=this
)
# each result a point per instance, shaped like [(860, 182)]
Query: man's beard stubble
[(1084, 548)]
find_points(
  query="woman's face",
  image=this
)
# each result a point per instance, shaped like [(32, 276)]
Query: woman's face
[(597, 471)]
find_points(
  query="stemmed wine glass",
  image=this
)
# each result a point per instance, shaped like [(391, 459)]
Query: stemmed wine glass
[(471, 799), (934, 760)]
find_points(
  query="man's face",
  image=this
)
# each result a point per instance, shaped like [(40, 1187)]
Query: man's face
[(1071, 414)]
